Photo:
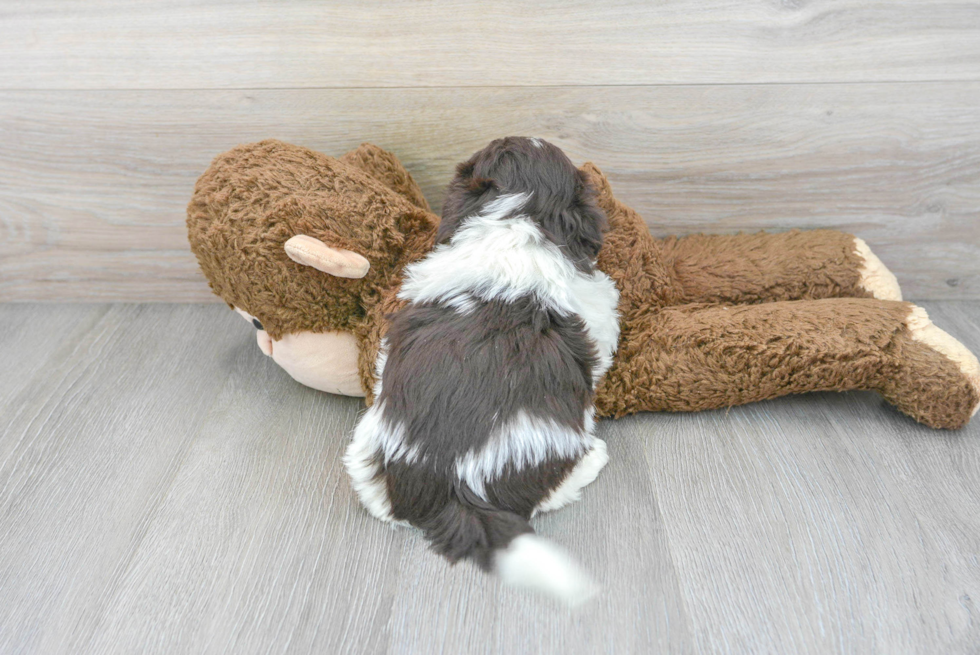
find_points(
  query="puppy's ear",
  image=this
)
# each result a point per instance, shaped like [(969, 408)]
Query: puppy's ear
[(466, 196), (585, 197), (479, 185), (465, 169), (464, 175), (580, 226)]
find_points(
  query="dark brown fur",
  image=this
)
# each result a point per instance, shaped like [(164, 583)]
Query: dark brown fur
[(445, 371), (562, 201)]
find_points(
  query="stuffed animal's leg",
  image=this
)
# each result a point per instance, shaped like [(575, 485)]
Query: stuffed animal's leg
[(744, 268), (751, 268), (694, 357)]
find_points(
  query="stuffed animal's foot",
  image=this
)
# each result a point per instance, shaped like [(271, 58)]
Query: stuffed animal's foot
[(937, 380), (876, 279)]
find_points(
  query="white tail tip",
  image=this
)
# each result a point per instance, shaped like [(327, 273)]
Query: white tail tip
[(535, 563)]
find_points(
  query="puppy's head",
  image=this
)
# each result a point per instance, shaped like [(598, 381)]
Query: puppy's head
[(560, 199)]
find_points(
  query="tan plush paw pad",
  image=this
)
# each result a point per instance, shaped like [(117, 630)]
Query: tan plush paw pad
[(875, 276), (923, 331)]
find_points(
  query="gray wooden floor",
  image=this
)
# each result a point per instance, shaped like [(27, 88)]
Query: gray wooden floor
[(164, 488)]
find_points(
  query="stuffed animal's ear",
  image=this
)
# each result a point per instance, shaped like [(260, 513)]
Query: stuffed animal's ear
[(308, 251), (466, 195), (465, 169)]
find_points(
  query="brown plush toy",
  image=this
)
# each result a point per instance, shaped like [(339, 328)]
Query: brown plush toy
[(311, 249)]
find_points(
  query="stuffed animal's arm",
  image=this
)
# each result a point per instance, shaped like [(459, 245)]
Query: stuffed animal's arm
[(385, 168), (750, 268), (698, 356)]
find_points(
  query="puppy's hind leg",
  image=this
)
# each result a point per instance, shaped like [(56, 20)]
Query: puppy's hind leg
[(585, 471), (376, 443)]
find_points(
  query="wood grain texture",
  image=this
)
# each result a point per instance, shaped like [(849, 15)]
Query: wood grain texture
[(258, 544), (291, 43), (165, 488), (615, 531), (825, 523), (90, 440), (93, 185)]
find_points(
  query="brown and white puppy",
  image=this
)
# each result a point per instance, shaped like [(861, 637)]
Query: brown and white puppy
[(485, 380)]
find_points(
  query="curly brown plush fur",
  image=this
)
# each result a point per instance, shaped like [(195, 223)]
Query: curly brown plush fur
[(716, 321), (707, 321), (255, 197)]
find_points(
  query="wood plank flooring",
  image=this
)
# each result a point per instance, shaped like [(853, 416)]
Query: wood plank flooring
[(164, 488)]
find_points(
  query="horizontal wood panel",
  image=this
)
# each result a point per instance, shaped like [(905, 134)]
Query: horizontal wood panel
[(94, 185), (293, 43)]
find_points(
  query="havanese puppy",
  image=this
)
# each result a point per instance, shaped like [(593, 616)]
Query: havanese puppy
[(483, 411)]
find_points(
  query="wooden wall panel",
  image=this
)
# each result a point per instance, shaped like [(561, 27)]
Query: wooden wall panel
[(93, 184), (154, 44)]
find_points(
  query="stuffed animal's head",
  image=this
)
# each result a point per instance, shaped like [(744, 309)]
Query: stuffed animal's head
[(304, 246)]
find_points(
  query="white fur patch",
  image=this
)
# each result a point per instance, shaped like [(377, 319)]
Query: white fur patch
[(522, 442), (535, 563), (585, 472), (365, 472), (594, 299), (923, 330), (464, 303), (379, 367), (875, 276), (496, 255), (376, 442)]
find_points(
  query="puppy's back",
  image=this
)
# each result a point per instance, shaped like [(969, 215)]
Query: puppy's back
[(484, 403)]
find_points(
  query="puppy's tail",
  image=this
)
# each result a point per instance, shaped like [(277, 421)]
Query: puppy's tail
[(504, 542)]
